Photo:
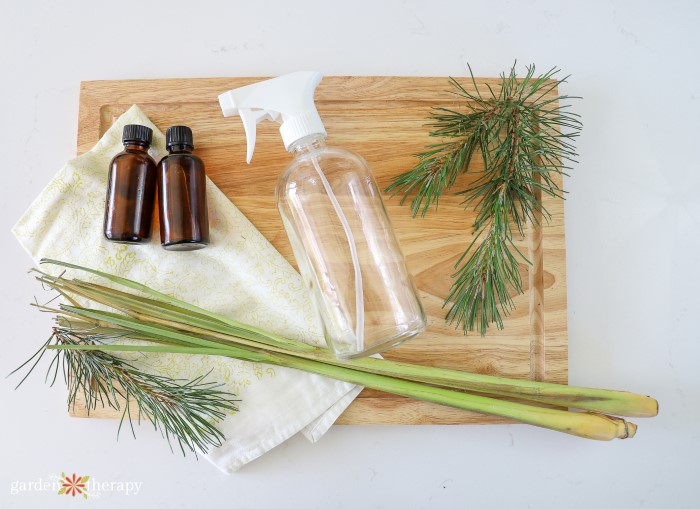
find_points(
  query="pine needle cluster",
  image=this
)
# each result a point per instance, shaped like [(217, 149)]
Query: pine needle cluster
[(186, 410), (524, 138)]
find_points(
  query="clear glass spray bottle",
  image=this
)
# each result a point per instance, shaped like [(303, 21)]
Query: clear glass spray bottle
[(333, 213)]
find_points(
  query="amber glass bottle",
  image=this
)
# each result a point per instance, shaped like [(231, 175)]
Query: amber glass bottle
[(131, 189), (184, 221)]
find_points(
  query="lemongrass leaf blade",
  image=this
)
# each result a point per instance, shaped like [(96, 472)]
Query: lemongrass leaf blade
[(154, 293)]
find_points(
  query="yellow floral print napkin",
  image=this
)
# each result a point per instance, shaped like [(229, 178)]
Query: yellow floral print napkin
[(239, 275)]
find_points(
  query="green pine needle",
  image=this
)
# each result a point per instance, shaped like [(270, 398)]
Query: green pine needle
[(187, 410), (517, 133)]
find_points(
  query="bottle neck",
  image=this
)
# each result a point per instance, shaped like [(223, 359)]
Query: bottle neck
[(180, 148), (307, 144), (136, 145)]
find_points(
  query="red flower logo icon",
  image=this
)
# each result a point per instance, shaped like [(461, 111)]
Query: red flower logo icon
[(73, 485)]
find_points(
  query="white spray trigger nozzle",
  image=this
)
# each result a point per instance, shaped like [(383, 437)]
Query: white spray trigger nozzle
[(250, 120), (287, 99)]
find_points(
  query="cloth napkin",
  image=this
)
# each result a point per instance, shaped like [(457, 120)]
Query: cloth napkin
[(240, 275)]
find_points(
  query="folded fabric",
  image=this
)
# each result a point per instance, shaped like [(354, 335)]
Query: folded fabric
[(239, 275)]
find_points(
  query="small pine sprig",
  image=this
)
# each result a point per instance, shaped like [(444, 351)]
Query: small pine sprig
[(517, 133), (185, 410)]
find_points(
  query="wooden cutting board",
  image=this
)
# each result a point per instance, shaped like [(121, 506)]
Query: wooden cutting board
[(382, 118)]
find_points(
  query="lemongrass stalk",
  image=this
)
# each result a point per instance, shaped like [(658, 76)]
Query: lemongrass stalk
[(583, 424), (105, 331), (155, 331), (165, 298), (199, 321), (110, 297), (622, 403), (587, 425), (597, 400), (117, 300)]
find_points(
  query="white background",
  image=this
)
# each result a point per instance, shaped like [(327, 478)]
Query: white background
[(631, 224)]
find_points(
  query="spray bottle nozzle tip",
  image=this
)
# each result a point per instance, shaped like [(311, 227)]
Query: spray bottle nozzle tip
[(289, 98)]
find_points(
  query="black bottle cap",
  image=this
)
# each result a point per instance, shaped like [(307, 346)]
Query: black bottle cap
[(137, 133), (179, 135)]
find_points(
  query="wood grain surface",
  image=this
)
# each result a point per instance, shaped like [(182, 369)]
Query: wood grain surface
[(383, 119)]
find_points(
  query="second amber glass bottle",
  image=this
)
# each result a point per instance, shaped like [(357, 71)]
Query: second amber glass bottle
[(184, 221)]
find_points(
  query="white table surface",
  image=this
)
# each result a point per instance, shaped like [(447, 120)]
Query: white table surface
[(631, 224)]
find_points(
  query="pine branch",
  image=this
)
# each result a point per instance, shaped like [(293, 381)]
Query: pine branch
[(185, 410), (517, 132)]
